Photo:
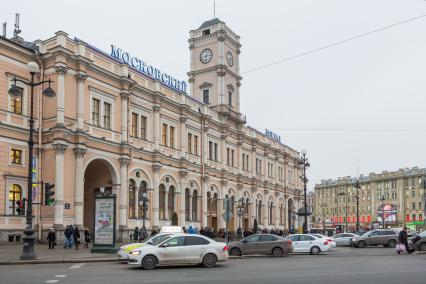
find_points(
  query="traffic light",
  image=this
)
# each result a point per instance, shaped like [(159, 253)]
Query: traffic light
[(20, 207), (48, 194)]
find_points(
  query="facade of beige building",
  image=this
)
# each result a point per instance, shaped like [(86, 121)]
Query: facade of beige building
[(120, 125), (397, 196)]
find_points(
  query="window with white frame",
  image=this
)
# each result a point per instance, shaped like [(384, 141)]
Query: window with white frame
[(17, 104), (102, 110)]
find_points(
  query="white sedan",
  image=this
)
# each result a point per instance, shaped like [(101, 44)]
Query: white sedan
[(344, 239), (308, 243), (180, 249), (330, 240), (124, 251)]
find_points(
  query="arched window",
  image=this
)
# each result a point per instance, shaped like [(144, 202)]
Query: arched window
[(209, 200), (246, 209), (195, 205), (162, 200), (171, 202), (214, 205), (132, 198), (142, 190), (271, 205), (259, 212), (15, 194), (232, 205), (187, 202)]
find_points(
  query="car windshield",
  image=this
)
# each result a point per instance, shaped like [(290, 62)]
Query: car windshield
[(423, 234), (366, 234), (158, 239), (318, 236)]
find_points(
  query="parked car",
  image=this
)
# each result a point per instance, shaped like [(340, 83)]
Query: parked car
[(330, 240), (124, 251), (308, 243), (420, 244), (384, 237), (344, 239), (261, 244), (180, 249)]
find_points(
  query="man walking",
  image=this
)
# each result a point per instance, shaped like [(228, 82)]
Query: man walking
[(68, 234), (403, 239), (51, 237)]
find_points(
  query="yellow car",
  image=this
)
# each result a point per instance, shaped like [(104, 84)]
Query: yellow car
[(123, 251)]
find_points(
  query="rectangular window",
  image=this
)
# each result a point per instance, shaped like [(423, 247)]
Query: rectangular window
[(228, 158), (414, 206), (232, 158), (420, 205), (195, 145), (107, 115), (210, 150), (143, 127), (172, 137), (206, 99), (16, 103), (230, 99), (247, 162), (420, 217), (215, 151), (95, 112), (16, 156), (134, 132), (414, 217), (164, 135), (413, 194), (189, 143)]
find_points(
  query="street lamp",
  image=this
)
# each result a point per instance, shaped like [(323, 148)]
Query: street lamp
[(357, 186), (143, 202), (303, 161), (323, 206), (382, 199), (240, 212), (32, 67)]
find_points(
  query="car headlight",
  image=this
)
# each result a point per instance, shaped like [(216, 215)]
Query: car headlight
[(137, 252), (353, 240)]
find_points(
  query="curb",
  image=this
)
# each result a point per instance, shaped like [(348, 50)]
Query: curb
[(50, 261)]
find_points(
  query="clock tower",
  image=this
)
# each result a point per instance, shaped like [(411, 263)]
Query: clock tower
[(214, 75)]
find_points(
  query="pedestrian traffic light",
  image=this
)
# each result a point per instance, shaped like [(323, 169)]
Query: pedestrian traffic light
[(48, 194)]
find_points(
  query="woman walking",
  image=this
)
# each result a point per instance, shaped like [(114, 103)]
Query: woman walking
[(76, 236), (51, 237), (86, 237)]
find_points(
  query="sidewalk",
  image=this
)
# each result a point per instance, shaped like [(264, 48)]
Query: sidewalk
[(10, 253)]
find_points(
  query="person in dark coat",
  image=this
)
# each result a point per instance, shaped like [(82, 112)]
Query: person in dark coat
[(86, 237), (68, 235), (136, 234), (142, 234), (403, 239), (76, 236), (51, 237)]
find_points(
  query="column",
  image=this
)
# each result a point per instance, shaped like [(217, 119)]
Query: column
[(80, 78), (182, 208), (277, 214), (190, 208), (166, 204), (253, 163), (223, 149), (155, 220), (124, 116), (205, 146), (60, 95), (157, 127), (183, 138), (204, 202), (238, 157), (124, 190), (253, 206), (59, 183), (220, 213), (265, 210), (79, 186)]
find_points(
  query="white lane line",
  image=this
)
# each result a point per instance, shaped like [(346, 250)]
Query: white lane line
[(60, 276), (52, 281), (77, 265)]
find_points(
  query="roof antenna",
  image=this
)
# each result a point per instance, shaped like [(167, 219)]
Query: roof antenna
[(214, 9), (4, 29), (17, 30)]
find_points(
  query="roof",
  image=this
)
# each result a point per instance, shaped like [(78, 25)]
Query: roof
[(210, 23)]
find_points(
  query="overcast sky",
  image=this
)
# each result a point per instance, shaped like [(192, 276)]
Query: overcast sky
[(360, 104)]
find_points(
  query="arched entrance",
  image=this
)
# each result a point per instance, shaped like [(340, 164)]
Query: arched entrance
[(212, 208), (98, 174)]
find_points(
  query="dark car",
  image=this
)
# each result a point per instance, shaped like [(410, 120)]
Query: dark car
[(384, 237), (261, 244), (420, 243)]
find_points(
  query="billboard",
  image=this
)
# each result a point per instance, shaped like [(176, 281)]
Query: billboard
[(389, 212)]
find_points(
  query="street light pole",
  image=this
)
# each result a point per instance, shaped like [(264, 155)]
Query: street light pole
[(28, 248), (144, 204), (357, 205), (304, 162), (382, 199)]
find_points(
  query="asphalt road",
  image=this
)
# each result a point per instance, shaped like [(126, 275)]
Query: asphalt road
[(343, 265)]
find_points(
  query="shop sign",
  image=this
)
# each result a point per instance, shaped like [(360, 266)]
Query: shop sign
[(272, 135), (148, 70)]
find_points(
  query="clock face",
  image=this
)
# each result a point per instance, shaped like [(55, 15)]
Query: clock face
[(229, 58), (206, 55)]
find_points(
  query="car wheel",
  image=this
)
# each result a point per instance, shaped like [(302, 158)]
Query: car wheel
[(315, 250), (392, 243), (277, 252), (235, 252), (209, 260), (361, 244), (149, 262), (422, 247)]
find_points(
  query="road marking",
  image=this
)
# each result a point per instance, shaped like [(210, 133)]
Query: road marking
[(77, 265), (52, 281), (60, 276)]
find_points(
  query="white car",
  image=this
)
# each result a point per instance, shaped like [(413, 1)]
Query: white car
[(344, 239), (330, 240), (308, 243), (180, 249), (124, 251)]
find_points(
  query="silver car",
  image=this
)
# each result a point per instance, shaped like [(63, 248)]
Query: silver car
[(344, 239), (180, 249)]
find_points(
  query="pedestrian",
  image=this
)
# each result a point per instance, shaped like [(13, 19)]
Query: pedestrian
[(142, 234), (136, 234), (68, 235), (86, 237), (191, 230), (72, 236), (153, 233), (76, 236), (51, 237), (403, 239)]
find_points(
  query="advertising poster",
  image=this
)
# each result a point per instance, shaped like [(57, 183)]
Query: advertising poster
[(104, 221), (389, 211)]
